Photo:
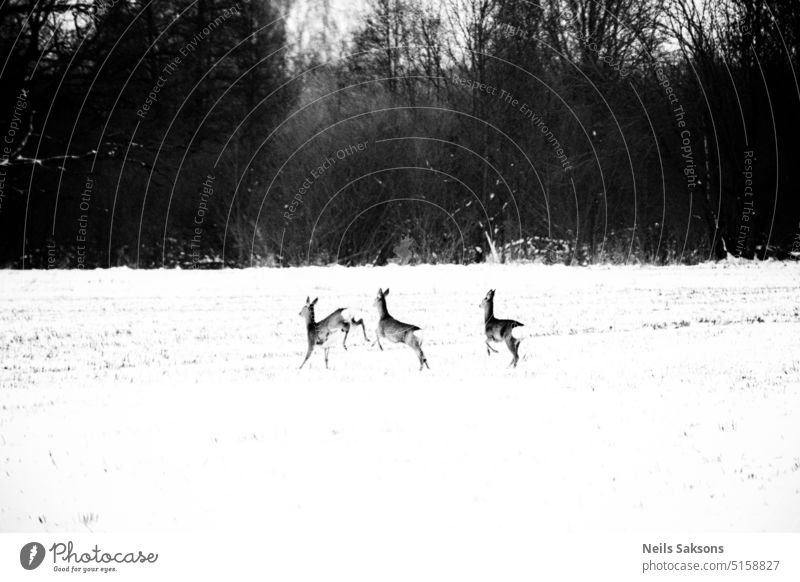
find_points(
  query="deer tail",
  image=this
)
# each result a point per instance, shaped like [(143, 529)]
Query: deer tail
[(351, 314), (520, 332)]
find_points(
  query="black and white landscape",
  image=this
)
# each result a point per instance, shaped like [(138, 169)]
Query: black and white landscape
[(178, 178)]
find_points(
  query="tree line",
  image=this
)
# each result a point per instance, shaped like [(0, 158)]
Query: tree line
[(207, 133)]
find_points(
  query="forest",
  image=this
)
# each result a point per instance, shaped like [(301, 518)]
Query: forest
[(210, 133)]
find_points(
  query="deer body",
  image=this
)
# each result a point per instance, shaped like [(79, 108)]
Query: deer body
[(318, 332), (499, 330), (396, 331)]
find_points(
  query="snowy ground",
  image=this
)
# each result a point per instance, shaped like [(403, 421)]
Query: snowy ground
[(646, 399)]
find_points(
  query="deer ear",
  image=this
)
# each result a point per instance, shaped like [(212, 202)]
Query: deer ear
[(386, 292), (315, 301), (308, 300)]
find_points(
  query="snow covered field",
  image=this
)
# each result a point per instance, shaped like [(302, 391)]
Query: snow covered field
[(646, 399)]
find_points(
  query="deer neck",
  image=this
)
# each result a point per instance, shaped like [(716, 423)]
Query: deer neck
[(382, 311), (488, 311), (309, 317)]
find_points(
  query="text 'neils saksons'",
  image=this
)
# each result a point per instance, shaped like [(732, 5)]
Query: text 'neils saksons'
[(663, 548)]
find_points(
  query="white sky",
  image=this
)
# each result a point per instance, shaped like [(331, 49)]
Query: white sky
[(305, 21)]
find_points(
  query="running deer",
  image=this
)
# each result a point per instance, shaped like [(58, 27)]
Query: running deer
[(396, 331), (319, 331), (498, 330)]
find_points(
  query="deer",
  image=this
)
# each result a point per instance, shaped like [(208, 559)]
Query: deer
[(497, 330), (318, 332), (396, 331)]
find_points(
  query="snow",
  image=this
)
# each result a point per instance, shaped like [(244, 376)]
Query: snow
[(646, 399)]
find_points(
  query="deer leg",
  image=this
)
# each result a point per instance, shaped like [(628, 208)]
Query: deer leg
[(308, 354), (489, 347), (422, 359), (413, 343), (363, 328), (512, 344), (346, 330), (327, 349), (378, 339)]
